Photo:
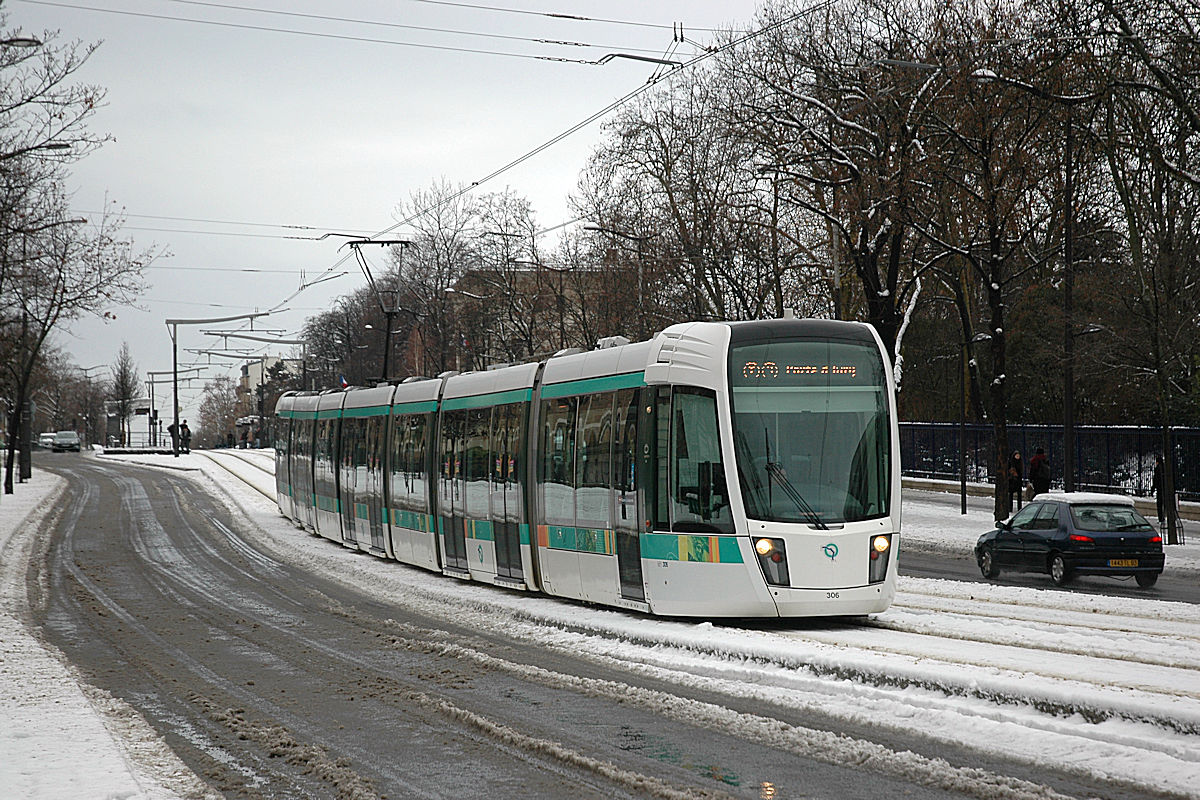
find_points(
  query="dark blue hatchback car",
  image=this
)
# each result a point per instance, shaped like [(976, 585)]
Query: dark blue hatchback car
[(1079, 533)]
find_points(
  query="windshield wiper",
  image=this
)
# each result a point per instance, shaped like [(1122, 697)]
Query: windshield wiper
[(776, 472)]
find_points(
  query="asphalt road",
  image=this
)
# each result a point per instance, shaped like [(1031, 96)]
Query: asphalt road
[(272, 682)]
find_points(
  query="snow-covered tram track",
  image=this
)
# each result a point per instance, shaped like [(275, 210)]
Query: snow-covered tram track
[(1040, 706), (1166, 649), (1085, 611), (255, 458)]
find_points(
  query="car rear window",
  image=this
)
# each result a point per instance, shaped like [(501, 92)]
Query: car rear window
[(1103, 518)]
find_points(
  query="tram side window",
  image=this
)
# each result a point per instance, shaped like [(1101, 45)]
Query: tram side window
[(374, 444), (408, 462), (476, 456), (699, 499), (352, 450), (624, 466), (593, 499), (556, 480), (324, 450), (454, 425), (325, 472), (662, 459), (282, 428), (506, 455)]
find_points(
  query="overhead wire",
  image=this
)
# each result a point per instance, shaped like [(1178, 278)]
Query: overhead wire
[(553, 15), (241, 223), (398, 25), (654, 80), (319, 34)]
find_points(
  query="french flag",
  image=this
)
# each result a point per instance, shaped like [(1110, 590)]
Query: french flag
[(343, 380)]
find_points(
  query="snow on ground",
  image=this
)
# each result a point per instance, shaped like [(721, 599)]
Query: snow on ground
[(61, 737), (1105, 686)]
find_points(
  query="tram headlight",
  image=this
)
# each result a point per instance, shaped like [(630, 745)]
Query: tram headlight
[(772, 558), (881, 549)]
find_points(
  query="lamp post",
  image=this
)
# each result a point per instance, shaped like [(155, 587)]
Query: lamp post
[(389, 300), (963, 377), (641, 317), (154, 416), (174, 324), (88, 427)]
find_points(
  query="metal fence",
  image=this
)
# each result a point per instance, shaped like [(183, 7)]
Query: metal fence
[(1111, 458)]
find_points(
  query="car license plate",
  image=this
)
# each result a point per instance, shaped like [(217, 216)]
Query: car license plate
[(1122, 562)]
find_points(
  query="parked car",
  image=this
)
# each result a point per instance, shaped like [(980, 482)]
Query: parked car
[(46, 440), (1079, 533), (65, 440)]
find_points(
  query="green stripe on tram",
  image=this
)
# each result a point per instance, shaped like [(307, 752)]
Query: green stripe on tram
[(415, 407), (481, 529), (691, 547), (294, 414), (484, 400), (329, 413), (581, 540), (608, 383), (366, 411)]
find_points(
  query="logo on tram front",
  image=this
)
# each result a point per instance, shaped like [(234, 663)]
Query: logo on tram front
[(830, 550)]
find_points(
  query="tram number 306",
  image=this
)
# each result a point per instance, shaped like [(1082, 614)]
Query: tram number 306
[(833, 595)]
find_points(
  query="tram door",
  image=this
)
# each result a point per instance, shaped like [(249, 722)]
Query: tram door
[(452, 495), (507, 513), (627, 513)]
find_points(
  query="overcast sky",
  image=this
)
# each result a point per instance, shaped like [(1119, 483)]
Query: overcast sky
[(225, 133)]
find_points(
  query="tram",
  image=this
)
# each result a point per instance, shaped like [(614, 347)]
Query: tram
[(722, 469)]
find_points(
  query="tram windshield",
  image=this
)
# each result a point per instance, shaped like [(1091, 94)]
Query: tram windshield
[(811, 429)]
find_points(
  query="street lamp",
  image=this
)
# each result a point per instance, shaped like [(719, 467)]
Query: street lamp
[(389, 303), (963, 376)]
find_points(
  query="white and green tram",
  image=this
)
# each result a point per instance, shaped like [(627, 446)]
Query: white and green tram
[(741, 469)]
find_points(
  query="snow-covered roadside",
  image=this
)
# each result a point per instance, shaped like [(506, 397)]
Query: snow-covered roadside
[(63, 738)]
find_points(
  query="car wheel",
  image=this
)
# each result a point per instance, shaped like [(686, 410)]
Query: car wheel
[(1146, 579), (987, 563), (1058, 570)]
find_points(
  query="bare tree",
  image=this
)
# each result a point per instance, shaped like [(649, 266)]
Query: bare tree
[(844, 142), (125, 389), (217, 421), (53, 268), (1153, 150)]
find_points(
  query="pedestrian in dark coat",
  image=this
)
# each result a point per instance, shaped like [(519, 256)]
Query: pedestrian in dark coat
[(1039, 473), (1016, 476), (1158, 485)]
